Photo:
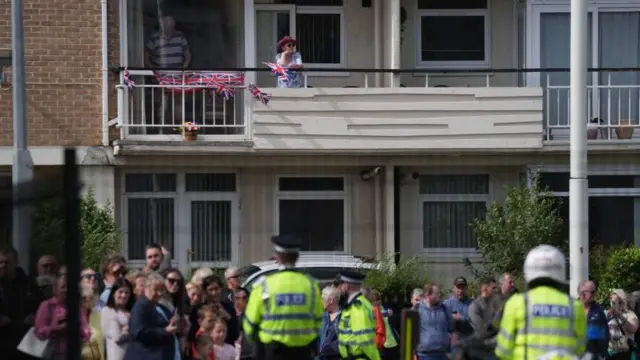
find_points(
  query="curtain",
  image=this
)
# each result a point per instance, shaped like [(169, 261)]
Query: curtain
[(619, 47), (555, 34)]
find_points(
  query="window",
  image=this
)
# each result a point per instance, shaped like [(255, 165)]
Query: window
[(320, 31), (614, 204), (191, 214), (313, 209), (150, 202), (613, 42), (453, 33), (449, 204)]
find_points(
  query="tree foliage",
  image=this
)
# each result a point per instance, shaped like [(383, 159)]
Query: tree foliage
[(527, 218), (396, 281), (622, 272), (99, 231)]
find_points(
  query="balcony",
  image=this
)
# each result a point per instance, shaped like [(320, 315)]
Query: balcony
[(337, 117)]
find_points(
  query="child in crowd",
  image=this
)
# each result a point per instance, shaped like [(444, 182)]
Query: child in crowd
[(202, 347), (223, 351)]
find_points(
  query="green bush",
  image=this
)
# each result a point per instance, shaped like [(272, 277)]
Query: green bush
[(396, 281), (622, 272), (527, 218), (100, 234)]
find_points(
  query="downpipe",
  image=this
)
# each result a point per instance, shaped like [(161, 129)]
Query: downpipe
[(105, 73)]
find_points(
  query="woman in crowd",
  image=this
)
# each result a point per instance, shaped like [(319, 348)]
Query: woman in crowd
[(623, 324), (194, 294), (173, 303), (288, 57), (89, 279), (51, 320), (328, 341), (200, 274), (137, 279), (153, 333), (115, 319), (94, 348), (212, 289), (112, 269), (243, 346)]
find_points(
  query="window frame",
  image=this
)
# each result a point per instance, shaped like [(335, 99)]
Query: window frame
[(456, 64), (182, 200), (599, 169), (451, 252), (343, 195), (326, 10), (535, 10)]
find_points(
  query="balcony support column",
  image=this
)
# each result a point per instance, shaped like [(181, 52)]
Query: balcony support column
[(249, 62), (391, 41), (389, 212), (578, 183), (378, 7)]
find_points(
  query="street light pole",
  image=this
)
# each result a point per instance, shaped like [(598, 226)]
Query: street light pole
[(22, 170), (578, 183)]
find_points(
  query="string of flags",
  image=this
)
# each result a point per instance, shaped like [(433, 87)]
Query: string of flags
[(223, 84)]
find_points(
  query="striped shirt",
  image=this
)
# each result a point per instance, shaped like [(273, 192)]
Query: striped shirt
[(167, 52)]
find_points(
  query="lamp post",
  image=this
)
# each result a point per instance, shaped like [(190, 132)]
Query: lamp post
[(22, 170), (578, 183)]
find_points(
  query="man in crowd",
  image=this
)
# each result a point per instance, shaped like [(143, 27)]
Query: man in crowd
[(417, 296), (483, 314), (435, 326), (20, 297), (458, 304), (232, 275), (597, 327), (507, 286), (47, 271), (157, 258)]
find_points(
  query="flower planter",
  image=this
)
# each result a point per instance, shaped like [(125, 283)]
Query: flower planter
[(592, 133), (190, 136), (624, 132)]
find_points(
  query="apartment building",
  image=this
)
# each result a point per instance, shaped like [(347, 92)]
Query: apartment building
[(359, 161)]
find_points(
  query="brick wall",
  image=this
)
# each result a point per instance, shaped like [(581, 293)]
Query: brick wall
[(63, 68)]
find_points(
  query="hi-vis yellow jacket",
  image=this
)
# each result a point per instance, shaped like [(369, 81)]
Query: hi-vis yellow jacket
[(357, 331), (284, 307), (543, 323)]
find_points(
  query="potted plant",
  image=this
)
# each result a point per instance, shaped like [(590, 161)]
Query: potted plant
[(624, 129), (189, 131), (592, 128)]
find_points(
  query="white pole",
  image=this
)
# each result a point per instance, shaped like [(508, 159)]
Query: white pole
[(22, 170), (250, 61), (578, 184), (394, 27)]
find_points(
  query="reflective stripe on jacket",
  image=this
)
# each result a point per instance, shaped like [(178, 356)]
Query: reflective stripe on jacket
[(284, 307), (357, 330), (539, 322)]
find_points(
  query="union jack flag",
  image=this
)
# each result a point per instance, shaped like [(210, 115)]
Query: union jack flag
[(283, 73), (126, 79), (263, 97), (225, 92)]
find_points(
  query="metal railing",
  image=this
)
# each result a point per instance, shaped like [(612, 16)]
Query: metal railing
[(161, 101)]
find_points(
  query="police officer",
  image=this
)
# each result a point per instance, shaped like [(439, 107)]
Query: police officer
[(545, 322), (357, 325), (284, 313)]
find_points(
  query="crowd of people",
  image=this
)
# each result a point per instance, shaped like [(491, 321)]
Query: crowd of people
[(155, 313)]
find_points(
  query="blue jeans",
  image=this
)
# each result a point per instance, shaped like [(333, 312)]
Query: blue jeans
[(432, 357)]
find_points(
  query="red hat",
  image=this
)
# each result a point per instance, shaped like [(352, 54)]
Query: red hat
[(286, 40)]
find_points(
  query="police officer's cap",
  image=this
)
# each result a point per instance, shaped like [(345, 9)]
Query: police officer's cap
[(285, 244), (351, 277)]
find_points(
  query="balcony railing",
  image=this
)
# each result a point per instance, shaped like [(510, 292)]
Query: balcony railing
[(153, 105)]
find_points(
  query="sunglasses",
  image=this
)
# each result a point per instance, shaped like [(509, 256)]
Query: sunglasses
[(173, 281), (119, 272), (90, 276), (290, 45), (48, 266)]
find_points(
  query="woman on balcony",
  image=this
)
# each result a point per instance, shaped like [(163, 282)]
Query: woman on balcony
[(289, 58)]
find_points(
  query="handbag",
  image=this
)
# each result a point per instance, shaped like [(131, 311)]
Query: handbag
[(31, 345), (630, 342)]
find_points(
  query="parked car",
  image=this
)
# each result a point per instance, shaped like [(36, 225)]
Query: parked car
[(323, 268)]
